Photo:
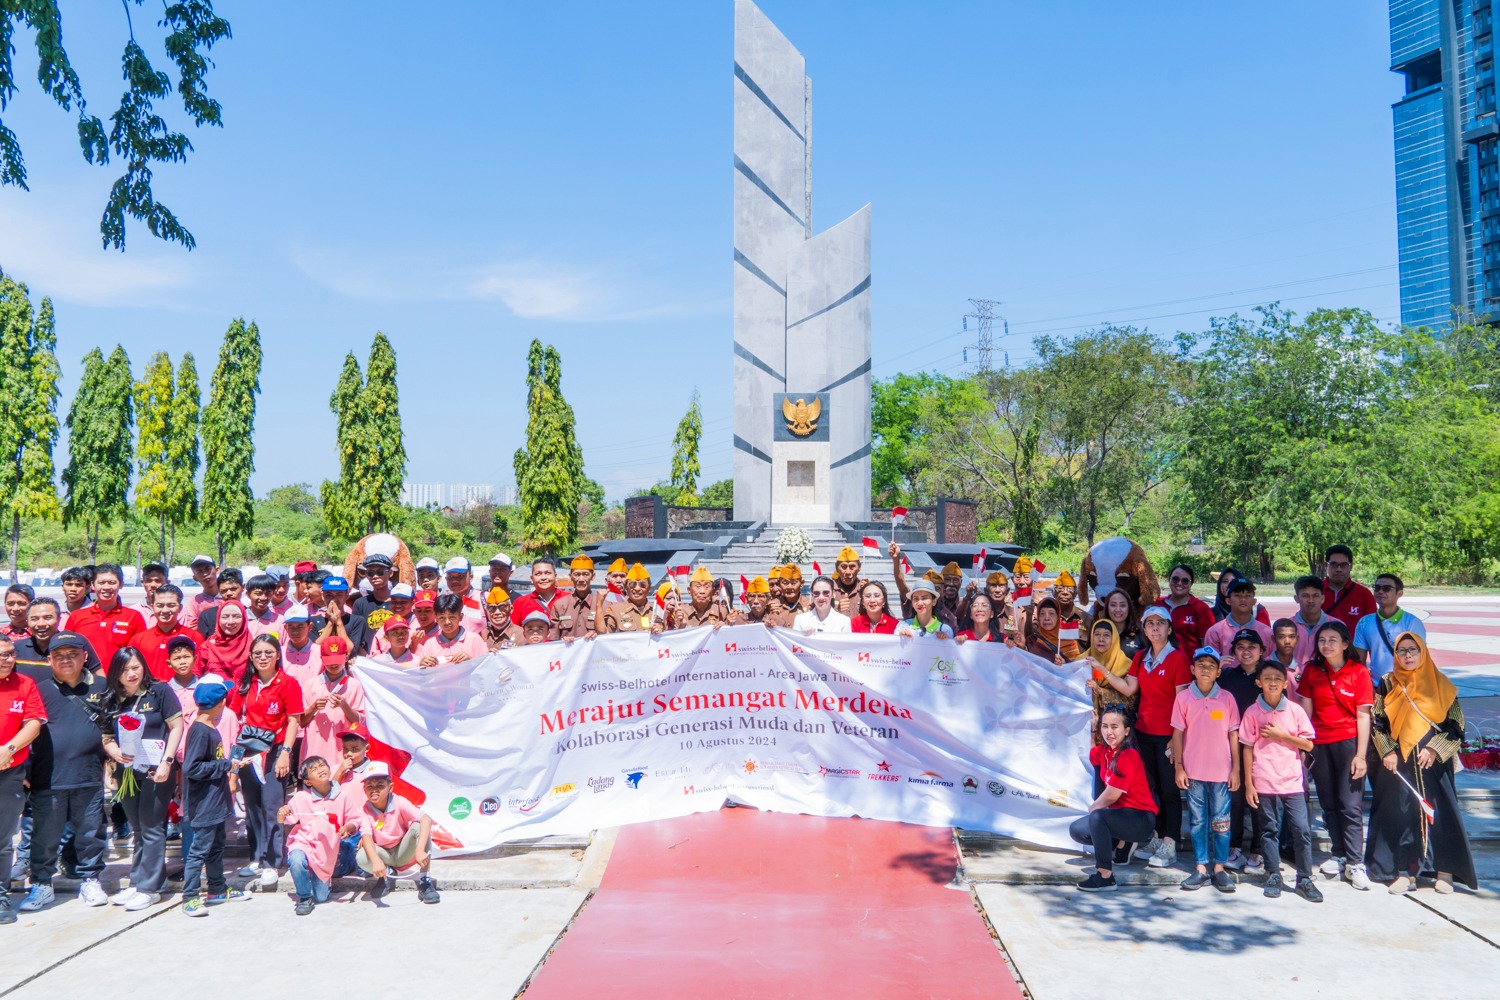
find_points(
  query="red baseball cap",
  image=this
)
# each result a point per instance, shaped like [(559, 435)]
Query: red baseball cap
[(425, 599), (394, 622), (305, 566), (359, 730), (335, 649)]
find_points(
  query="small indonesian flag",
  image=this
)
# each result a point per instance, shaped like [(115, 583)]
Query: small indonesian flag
[(817, 570), (675, 571), (612, 588), (744, 588), (661, 603), (872, 546), (1427, 810), (1037, 569), (1022, 597), (905, 566), (898, 516), (979, 559), (1068, 632)]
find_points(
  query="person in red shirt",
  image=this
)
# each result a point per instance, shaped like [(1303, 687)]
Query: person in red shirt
[(1338, 696), (166, 605), (543, 592), (1191, 618), (18, 598), (871, 616), (1125, 810), (22, 716), (1343, 598), (1158, 672), (106, 624), (268, 702)]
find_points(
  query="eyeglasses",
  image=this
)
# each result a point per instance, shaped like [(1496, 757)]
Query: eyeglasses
[(1383, 586), (1339, 563), (822, 593), (1180, 579), (263, 654), (7, 654), (1400, 651)]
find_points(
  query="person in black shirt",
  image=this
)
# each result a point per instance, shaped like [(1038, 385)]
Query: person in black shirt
[(67, 770), (41, 624), (205, 800), (231, 586), (337, 620), (378, 571)]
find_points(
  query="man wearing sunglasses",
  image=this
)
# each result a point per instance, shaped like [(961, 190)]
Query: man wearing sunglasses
[(1376, 633), (1191, 618)]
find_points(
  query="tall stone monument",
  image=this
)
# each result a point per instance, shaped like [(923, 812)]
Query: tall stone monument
[(801, 304)]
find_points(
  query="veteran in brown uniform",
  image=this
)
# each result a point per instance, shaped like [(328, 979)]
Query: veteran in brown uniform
[(573, 613), (705, 606), (499, 631), (634, 613), (847, 582)]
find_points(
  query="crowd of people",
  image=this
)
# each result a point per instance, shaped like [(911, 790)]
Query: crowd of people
[(183, 716)]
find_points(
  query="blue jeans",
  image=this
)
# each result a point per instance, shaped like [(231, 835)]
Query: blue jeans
[(205, 856), (1208, 814), (309, 886), (348, 859)]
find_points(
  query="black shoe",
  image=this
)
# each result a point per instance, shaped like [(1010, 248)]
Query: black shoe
[(1273, 886), (304, 907), (1308, 890), (1096, 883), (1224, 880), (380, 889), (427, 890), (7, 915), (1197, 880), (1122, 855)]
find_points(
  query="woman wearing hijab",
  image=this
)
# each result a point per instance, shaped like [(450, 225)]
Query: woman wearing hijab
[(226, 651), (1416, 728), (1107, 657), (1045, 636)]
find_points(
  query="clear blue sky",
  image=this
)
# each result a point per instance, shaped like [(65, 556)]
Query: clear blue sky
[(507, 170)]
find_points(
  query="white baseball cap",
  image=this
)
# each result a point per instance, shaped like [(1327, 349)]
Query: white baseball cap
[(502, 559), (458, 564), (203, 559), (427, 562), (402, 590)]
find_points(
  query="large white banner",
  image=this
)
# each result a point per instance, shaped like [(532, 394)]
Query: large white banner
[(559, 738)]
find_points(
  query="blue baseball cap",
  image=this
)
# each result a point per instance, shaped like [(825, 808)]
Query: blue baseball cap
[(1208, 651), (335, 583), (207, 695)]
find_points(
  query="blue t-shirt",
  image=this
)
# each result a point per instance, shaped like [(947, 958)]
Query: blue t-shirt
[(1377, 636)]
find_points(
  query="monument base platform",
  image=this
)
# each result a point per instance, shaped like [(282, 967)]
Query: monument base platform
[(743, 903)]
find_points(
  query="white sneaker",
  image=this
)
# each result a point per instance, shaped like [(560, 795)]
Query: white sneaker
[(91, 893), (269, 878), (124, 897), (1332, 868), (1145, 851), (1236, 860), (143, 900), (37, 897), (1355, 876), (1255, 864), (1166, 854)]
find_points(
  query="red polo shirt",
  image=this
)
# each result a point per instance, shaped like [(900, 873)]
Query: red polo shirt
[(268, 706), (153, 646), (107, 631), (1159, 682), (1131, 779), (1190, 624), (526, 604), (20, 702), (1336, 699), (861, 623), (1348, 605)]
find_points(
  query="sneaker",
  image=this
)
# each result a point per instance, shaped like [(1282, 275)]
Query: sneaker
[(304, 907), (7, 915), (381, 888), (91, 893), (1224, 880), (1122, 856), (427, 891), (1401, 884), (1255, 864), (227, 896), (269, 878), (1197, 880), (1273, 886), (1096, 884), (37, 898), (1444, 884), (194, 908), (124, 896), (249, 871), (1237, 859), (1332, 868), (1355, 876), (1143, 852), (1308, 890), (174, 832), (1165, 855), (143, 900)]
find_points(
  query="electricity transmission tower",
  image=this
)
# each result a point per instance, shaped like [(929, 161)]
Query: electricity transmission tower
[(984, 317)]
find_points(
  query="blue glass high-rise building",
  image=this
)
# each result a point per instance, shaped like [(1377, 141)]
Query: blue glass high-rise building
[(1447, 171)]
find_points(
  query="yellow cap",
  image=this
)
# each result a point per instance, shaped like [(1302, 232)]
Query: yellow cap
[(637, 572), (700, 575), (618, 566), (758, 586), (846, 554), (791, 571), (996, 577), (1023, 566), (933, 576), (581, 562), (1064, 579), (665, 588), (497, 595), (952, 570), (776, 573)]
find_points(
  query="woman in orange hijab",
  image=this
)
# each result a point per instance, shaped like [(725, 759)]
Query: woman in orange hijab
[(1416, 729)]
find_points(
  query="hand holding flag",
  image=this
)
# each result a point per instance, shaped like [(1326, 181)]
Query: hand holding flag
[(1427, 810)]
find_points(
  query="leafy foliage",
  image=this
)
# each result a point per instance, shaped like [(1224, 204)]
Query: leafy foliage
[(685, 467), (99, 444), (153, 410), (229, 437), (28, 421), (183, 458), (372, 457), (549, 469)]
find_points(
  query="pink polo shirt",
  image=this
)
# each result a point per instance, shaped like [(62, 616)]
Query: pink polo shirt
[(1206, 720), (387, 828), (468, 641), (320, 737), (303, 664), (1277, 767), (147, 615), (195, 606), (313, 827), (1221, 636), (268, 625), (1305, 648)]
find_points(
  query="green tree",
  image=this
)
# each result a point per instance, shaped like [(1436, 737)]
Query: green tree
[(719, 494), (549, 469), (685, 467), (28, 422), (381, 403), (139, 136), (229, 437), (896, 458), (182, 453), (153, 411), (342, 503), (99, 445)]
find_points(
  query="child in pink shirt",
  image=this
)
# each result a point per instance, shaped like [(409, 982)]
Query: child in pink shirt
[(334, 700), (1206, 755), (394, 834), (465, 645), (395, 643), (319, 817), (1275, 732)]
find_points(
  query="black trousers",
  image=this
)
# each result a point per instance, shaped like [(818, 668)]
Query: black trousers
[(53, 809), (1285, 817), (1162, 776), (1102, 827), (1341, 799)]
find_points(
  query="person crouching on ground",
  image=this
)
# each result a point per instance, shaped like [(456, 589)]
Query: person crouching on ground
[(1124, 813), (319, 818), (394, 835), (1206, 755)]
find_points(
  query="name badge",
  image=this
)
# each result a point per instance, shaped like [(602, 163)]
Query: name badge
[(1217, 714)]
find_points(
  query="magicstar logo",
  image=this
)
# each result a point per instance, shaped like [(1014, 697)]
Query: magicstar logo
[(838, 772)]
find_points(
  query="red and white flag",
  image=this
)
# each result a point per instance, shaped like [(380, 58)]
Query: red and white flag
[(1425, 806), (1022, 596), (905, 566), (817, 570), (979, 559), (898, 516), (872, 547), (744, 588), (1068, 632), (673, 572), (1037, 569)]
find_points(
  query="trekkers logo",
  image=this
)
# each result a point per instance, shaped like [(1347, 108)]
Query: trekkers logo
[(750, 766), (930, 778), (884, 767), (945, 672), (883, 772), (971, 785), (460, 808), (633, 776), (489, 806), (602, 783), (996, 789), (838, 772)]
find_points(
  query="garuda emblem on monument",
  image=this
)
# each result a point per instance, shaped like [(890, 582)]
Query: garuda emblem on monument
[(802, 416)]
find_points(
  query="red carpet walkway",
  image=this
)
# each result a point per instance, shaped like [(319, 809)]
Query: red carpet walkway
[(743, 903)]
